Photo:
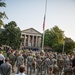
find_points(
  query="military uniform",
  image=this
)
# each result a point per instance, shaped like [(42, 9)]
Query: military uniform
[(51, 74), (25, 57), (50, 70), (68, 71), (47, 63), (30, 61), (20, 61), (34, 64), (55, 68), (12, 61), (60, 63), (5, 68), (39, 65)]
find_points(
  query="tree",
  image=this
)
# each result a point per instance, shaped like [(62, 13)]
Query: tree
[(69, 45), (2, 4), (2, 14), (54, 37), (11, 35)]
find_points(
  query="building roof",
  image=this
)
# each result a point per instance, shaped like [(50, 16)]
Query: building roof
[(31, 30)]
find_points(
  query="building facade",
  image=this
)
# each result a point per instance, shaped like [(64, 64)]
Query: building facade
[(31, 39)]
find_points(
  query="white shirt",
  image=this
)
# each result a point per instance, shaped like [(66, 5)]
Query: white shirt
[(2, 57), (20, 74)]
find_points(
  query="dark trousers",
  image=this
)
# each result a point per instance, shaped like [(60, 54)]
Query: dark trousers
[(1, 61)]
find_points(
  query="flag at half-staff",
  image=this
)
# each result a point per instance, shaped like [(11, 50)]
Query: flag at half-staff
[(44, 25)]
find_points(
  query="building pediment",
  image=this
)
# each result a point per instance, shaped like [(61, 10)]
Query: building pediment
[(31, 31)]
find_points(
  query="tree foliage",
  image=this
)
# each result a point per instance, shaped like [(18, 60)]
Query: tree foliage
[(11, 35), (2, 14), (54, 38), (2, 4), (69, 45)]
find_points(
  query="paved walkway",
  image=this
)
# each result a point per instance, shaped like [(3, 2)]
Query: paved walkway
[(32, 73), (16, 71)]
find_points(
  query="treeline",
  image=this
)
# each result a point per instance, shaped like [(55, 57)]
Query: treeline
[(56, 39)]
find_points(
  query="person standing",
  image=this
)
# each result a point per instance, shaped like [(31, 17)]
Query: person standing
[(22, 70), (73, 64), (20, 61), (47, 63), (12, 60), (30, 62), (25, 57), (55, 68), (60, 63), (50, 70), (39, 65), (68, 70), (5, 68), (2, 58)]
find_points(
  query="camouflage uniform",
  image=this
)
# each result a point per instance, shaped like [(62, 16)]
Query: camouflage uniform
[(47, 63), (50, 70), (68, 71), (51, 59), (73, 70), (34, 63), (60, 63), (20, 61), (66, 62), (30, 61), (12, 60), (5, 68), (55, 68), (39, 65), (25, 57)]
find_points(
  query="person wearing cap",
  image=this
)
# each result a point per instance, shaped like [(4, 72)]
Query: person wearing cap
[(22, 70), (5, 68)]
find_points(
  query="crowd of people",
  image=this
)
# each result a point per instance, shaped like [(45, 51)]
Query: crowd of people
[(37, 62)]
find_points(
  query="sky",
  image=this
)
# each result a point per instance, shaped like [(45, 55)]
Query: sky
[(30, 14)]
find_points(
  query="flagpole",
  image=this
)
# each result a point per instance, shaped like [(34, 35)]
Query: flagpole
[(44, 25)]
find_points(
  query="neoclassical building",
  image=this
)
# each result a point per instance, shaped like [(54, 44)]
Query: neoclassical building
[(31, 39)]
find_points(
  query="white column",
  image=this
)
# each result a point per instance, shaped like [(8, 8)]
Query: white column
[(28, 40), (24, 40), (39, 41), (33, 40), (36, 41)]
